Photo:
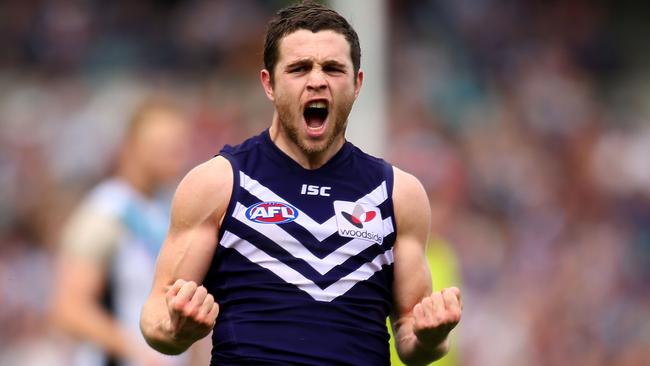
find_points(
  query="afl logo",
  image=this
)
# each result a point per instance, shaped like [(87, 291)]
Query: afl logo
[(271, 213)]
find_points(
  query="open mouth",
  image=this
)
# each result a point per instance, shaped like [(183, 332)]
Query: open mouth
[(315, 115)]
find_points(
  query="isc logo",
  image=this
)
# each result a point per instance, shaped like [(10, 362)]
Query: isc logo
[(311, 190), (272, 213)]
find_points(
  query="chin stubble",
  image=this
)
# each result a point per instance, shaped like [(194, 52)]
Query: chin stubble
[(340, 123)]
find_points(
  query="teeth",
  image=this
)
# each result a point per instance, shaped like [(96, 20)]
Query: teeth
[(317, 105)]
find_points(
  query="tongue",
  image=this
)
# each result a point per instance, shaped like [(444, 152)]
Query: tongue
[(314, 121)]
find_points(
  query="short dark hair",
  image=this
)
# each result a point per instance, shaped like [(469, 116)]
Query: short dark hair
[(311, 16)]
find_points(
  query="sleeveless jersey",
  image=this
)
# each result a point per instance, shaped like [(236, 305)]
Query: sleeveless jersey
[(304, 267)]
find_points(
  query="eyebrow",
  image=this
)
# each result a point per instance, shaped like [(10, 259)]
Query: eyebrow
[(333, 63), (304, 62), (309, 62)]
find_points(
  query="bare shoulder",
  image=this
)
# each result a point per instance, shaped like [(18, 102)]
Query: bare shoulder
[(203, 193), (409, 200)]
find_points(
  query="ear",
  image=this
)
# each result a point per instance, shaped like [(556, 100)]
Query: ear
[(358, 83), (267, 84)]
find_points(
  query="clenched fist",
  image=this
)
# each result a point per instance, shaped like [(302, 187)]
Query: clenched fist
[(436, 315), (192, 311)]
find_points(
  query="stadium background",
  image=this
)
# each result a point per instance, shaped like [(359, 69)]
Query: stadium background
[(527, 121)]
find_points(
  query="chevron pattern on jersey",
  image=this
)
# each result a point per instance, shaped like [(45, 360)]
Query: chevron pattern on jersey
[(347, 252), (294, 277), (320, 231)]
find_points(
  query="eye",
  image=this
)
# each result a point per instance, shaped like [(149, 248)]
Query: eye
[(333, 69), (298, 69)]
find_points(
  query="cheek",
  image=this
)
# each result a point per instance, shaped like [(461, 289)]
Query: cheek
[(286, 103), (346, 88), (287, 90), (345, 99)]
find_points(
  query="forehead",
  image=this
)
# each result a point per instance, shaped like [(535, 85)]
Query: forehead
[(319, 46)]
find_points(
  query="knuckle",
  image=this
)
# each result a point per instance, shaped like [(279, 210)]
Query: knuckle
[(458, 315), (208, 320), (189, 311), (176, 305), (437, 320), (417, 325), (209, 301), (427, 301), (452, 318)]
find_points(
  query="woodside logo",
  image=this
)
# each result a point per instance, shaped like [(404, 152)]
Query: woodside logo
[(355, 220), (359, 216)]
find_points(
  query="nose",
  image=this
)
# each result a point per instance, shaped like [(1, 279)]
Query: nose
[(316, 81)]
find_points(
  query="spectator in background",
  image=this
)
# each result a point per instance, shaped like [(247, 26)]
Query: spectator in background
[(110, 243)]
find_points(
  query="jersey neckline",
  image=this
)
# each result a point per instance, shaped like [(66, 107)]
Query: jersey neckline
[(339, 157)]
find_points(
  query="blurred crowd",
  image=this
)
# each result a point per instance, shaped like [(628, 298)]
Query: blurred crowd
[(527, 121)]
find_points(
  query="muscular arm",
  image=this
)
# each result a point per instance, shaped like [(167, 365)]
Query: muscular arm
[(179, 311), (421, 319)]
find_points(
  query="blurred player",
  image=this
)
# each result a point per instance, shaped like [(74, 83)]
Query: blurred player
[(110, 243), (301, 243)]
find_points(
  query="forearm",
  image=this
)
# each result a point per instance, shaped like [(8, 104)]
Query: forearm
[(155, 324)]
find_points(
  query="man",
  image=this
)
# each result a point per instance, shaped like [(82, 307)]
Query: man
[(303, 244), (110, 243)]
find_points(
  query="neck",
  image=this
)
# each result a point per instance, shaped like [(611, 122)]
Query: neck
[(306, 160)]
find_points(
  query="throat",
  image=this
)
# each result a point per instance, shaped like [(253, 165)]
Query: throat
[(315, 117)]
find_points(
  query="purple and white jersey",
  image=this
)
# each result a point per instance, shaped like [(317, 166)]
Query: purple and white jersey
[(303, 271)]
